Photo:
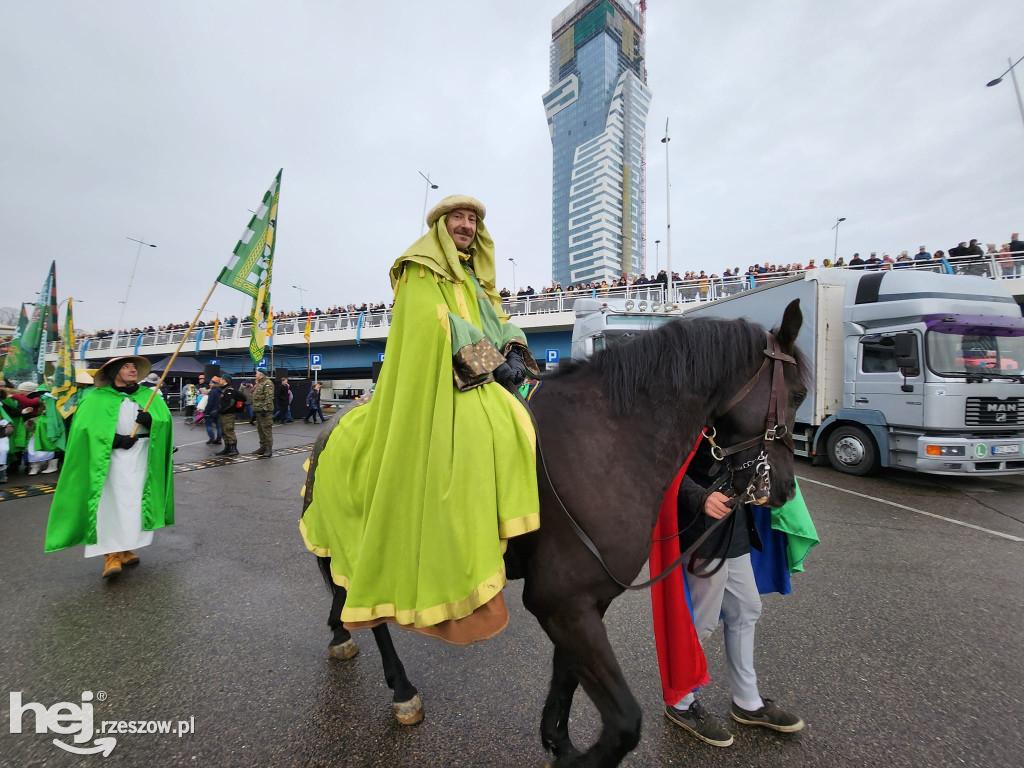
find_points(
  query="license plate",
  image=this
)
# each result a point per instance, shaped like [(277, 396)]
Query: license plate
[(1000, 450)]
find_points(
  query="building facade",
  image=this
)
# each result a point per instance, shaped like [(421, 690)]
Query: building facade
[(597, 115)]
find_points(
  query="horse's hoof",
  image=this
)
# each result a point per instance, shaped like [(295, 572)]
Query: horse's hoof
[(409, 712), (345, 650)]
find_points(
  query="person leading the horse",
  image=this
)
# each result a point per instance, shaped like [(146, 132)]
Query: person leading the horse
[(417, 489), (725, 589)]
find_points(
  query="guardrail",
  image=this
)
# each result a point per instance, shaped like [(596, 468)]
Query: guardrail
[(1001, 266)]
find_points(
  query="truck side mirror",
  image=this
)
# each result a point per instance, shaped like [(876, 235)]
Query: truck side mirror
[(906, 350)]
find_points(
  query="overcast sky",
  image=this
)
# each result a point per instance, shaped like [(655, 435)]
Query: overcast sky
[(168, 121)]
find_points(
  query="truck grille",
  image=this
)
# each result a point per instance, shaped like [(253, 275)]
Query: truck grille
[(994, 411)]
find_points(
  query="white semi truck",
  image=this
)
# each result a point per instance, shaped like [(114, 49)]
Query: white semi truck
[(915, 370)]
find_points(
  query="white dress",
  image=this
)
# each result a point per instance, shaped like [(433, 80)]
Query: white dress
[(119, 514)]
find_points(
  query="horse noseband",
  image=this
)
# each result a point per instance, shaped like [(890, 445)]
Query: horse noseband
[(759, 488)]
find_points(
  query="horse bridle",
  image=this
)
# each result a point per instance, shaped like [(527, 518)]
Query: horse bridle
[(775, 418), (760, 485)]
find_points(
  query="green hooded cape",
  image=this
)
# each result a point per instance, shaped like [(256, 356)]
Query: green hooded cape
[(415, 490), (73, 511)]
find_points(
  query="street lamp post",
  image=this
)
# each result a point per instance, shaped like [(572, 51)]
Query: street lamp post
[(513, 274), (656, 244), (302, 296), (430, 185), (835, 226), (1016, 88), (668, 220), (124, 304)]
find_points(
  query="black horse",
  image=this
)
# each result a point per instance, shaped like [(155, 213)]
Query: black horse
[(630, 415)]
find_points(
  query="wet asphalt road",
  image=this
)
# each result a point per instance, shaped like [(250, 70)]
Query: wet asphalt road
[(901, 644)]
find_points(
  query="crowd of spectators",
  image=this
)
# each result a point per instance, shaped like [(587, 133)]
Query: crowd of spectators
[(695, 284)]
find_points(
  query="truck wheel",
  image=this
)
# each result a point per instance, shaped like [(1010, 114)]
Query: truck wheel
[(852, 450)]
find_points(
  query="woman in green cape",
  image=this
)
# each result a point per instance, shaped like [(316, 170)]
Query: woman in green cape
[(115, 490), (416, 491)]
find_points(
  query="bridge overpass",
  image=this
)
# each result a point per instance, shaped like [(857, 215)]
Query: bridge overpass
[(350, 343)]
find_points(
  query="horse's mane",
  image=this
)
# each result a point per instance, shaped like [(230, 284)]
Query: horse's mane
[(683, 355)]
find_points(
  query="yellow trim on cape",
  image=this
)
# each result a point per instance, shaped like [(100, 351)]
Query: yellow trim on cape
[(318, 551), (428, 617), (442, 316), (507, 529), (522, 418)]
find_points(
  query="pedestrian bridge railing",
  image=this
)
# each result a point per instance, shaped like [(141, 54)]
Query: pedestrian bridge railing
[(290, 330)]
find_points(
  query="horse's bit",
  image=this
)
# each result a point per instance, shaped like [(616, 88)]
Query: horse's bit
[(760, 486)]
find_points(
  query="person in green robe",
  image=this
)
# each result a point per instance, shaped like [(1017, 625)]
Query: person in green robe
[(415, 492), (115, 489)]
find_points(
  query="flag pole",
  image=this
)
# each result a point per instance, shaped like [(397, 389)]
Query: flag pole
[(175, 355)]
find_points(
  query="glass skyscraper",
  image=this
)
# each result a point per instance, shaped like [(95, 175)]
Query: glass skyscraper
[(597, 114)]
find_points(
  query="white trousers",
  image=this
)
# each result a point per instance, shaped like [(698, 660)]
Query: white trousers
[(731, 593)]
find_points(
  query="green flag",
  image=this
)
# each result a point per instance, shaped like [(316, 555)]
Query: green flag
[(65, 388), (18, 365), (250, 262)]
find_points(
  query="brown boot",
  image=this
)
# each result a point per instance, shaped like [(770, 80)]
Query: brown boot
[(128, 557), (111, 565)]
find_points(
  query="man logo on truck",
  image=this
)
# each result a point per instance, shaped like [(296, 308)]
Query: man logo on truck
[(1002, 409)]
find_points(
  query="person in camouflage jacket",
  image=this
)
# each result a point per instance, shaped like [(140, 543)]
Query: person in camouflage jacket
[(263, 411)]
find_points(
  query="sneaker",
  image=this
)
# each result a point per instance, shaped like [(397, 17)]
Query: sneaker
[(768, 716), (697, 721)]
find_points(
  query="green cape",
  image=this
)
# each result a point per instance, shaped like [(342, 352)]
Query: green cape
[(414, 490), (50, 432), (73, 511), (19, 440)]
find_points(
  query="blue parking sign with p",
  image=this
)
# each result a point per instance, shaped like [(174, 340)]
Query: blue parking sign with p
[(552, 355), (315, 361)]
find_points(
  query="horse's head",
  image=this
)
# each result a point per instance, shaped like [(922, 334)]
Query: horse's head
[(752, 435)]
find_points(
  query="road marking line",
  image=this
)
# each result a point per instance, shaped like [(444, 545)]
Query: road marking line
[(911, 509)]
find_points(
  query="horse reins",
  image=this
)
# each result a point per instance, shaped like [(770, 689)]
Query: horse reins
[(775, 418)]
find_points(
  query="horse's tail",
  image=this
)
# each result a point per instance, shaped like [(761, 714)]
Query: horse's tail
[(324, 564)]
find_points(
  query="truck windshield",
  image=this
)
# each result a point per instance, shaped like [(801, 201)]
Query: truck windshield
[(956, 354)]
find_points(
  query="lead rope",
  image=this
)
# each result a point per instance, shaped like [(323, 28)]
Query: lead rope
[(582, 535)]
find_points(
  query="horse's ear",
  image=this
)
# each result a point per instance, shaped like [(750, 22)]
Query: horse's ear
[(792, 319)]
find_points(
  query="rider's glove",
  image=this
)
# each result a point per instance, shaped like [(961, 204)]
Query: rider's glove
[(124, 441), (512, 372)]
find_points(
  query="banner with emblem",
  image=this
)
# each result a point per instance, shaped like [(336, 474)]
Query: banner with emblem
[(18, 365), (30, 363), (65, 387), (252, 264)]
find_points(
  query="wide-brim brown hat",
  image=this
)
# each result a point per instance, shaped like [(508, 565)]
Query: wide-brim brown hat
[(452, 202), (104, 377)]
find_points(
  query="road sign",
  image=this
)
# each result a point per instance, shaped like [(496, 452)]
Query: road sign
[(215, 362), (316, 362), (552, 355), (380, 357)]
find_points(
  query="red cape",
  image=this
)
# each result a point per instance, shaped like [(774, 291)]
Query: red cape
[(681, 660)]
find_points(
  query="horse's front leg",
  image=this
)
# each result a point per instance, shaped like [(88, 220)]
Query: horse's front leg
[(554, 723), (406, 702), (581, 635)]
